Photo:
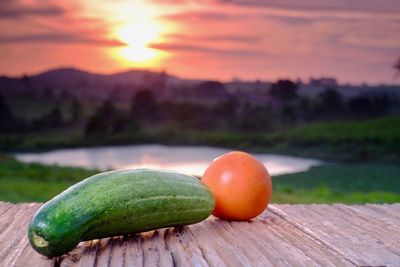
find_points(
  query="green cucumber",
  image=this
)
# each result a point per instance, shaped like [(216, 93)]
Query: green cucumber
[(117, 203)]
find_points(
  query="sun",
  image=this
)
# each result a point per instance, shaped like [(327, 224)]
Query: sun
[(137, 37), (137, 25)]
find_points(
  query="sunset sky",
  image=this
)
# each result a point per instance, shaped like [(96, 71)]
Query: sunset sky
[(355, 41)]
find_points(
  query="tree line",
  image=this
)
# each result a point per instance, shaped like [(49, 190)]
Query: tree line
[(230, 113)]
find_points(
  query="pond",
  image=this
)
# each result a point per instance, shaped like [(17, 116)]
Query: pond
[(186, 159)]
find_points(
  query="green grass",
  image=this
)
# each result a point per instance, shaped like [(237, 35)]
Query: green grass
[(372, 139), (41, 141), (385, 129), (20, 182), (347, 183), (352, 183)]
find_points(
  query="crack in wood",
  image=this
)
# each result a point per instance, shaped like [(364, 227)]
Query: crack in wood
[(203, 254), (168, 248), (96, 258)]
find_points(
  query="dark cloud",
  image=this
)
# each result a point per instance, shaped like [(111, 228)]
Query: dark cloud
[(64, 28), (368, 6), (208, 50), (284, 17), (245, 39), (15, 10), (293, 21), (341, 6), (200, 16), (288, 18), (59, 38)]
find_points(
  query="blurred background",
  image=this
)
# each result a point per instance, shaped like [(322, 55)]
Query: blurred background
[(311, 88)]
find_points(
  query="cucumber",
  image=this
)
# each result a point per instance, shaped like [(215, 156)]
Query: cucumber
[(117, 203)]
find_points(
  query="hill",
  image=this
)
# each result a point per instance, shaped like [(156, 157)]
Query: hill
[(64, 82), (86, 85)]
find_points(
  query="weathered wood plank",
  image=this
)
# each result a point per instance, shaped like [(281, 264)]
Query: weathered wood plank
[(183, 248), (390, 213), (284, 235), (14, 246), (319, 253), (349, 231), (4, 207)]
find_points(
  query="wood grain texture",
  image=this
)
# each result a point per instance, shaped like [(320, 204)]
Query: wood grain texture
[(284, 235)]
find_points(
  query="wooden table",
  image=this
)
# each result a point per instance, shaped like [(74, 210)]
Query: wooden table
[(284, 235)]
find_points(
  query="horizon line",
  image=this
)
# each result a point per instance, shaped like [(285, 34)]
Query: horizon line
[(234, 77)]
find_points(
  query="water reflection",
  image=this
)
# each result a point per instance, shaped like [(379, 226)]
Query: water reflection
[(185, 159)]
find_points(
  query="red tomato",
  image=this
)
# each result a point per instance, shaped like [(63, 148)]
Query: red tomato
[(241, 186)]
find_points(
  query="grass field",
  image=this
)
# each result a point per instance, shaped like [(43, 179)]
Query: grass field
[(372, 139), (364, 140), (345, 183), (354, 183), (21, 182)]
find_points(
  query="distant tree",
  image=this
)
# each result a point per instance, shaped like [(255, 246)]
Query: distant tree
[(370, 105), (210, 88), (227, 108), (330, 101), (5, 111), (255, 118), (48, 93), (397, 67), (284, 91), (185, 112), (6, 117), (226, 111), (305, 108), (380, 104), (144, 106), (193, 116), (108, 120), (123, 122), (101, 123), (288, 115), (76, 110), (360, 104), (52, 120)]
